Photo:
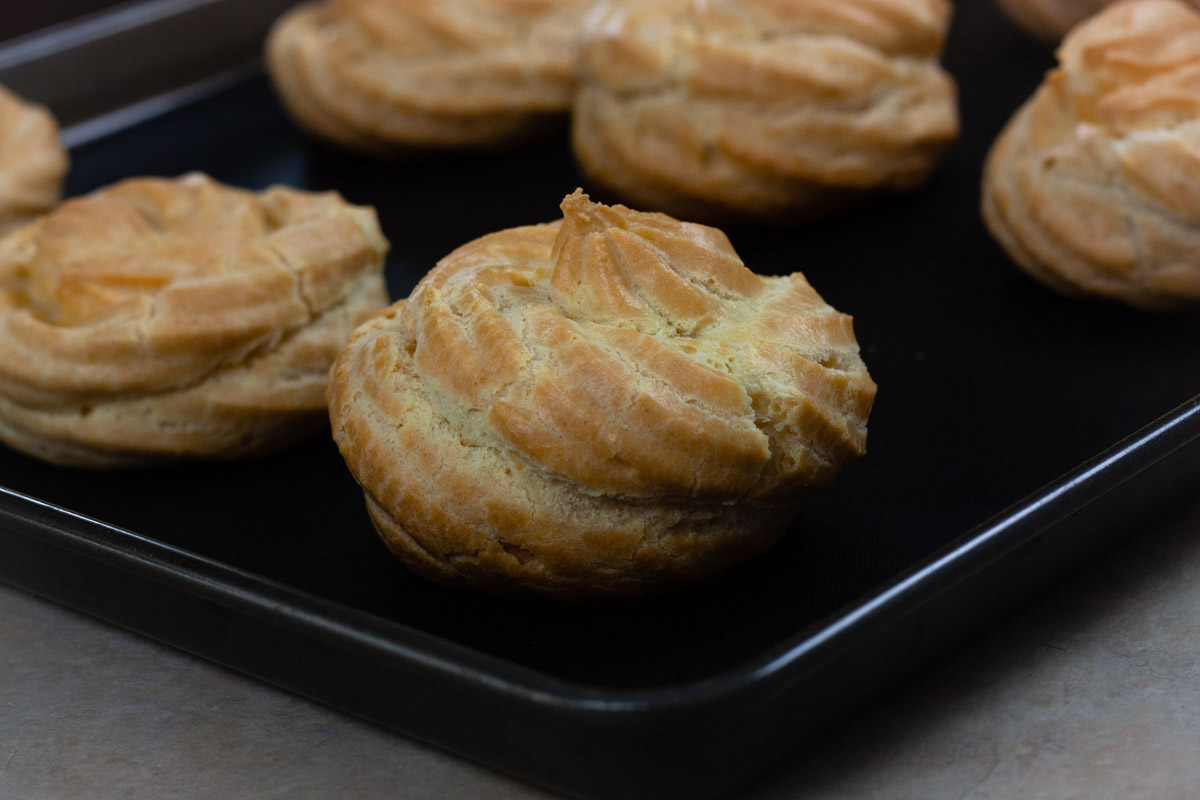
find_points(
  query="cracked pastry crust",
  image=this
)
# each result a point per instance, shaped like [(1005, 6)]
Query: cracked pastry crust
[(32, 161), (603, 406), (160, 320), (1051, 19), (762, 109), (1093, 188), (386, 75)]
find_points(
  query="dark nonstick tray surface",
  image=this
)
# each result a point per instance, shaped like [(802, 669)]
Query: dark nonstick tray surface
[(991, 388)]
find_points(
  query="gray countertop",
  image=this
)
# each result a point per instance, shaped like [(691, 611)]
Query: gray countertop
[(1093, 691)]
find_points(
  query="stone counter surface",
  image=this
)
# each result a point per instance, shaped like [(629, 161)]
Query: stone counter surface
[(1092, 691)]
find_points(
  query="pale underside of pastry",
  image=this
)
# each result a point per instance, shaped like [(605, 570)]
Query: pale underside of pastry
[(762, 109), (32, 161), (389, 75), (1051, 19), (159, 320), (1094, 186), (606, 406)]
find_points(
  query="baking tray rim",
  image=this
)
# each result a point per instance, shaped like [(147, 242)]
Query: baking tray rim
[(785, 662)]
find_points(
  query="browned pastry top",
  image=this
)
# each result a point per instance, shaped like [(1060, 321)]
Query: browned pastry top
[(609, 376), (915, 28), (1094, 185), (378, 73), (153, 284), (773, 107), (160, 319), (32, 161), (1051, 19), (1135, 69)]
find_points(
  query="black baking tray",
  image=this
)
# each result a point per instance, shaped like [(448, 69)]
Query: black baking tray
[(1015, 435)]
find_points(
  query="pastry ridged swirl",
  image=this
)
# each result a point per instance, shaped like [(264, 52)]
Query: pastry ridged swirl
[(1051, 19), (602, 406), (32, 161), (762, 108), (382, 74), (161, 319), (1094, 186)]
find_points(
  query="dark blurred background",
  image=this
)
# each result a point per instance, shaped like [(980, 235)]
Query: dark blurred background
[(19, 18)]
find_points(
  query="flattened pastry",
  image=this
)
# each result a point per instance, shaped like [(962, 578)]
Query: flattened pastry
[(762, 109), (605, 406), (1094, 186), (382, 75), (179, 319), (32, 161)]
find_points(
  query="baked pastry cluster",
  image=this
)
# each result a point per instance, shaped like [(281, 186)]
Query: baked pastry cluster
[(382, 75), (175, 319), (604, 406), (1051, 19), (1092, 187), (762, 109), (32, 161), (724, 109)]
